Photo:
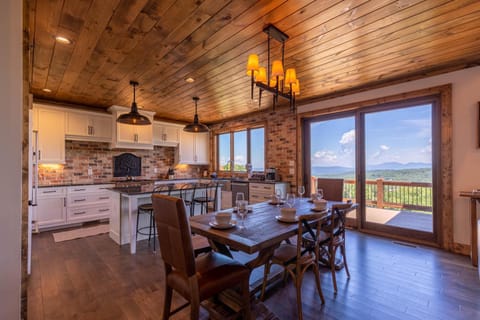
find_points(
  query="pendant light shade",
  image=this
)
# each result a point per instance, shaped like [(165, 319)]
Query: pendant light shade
[(196, 126), (134, 117)]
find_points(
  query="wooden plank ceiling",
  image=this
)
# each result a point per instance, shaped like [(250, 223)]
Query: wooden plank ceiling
[(336, 47)]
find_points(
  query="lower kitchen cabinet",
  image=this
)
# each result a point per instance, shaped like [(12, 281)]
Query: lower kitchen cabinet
[(62, 206), (263, 191), (50, 210)]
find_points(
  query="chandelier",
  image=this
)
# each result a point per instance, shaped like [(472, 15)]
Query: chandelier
[(134, 117), (274, 80)]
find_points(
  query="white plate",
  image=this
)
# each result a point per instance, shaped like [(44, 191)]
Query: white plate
[(282, 219), (319, 210), (215, 225)]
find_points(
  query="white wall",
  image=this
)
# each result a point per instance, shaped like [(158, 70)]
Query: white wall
[(11, 157), (466, 154)]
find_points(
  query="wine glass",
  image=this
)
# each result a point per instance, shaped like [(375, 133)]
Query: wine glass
[(239, 197), (290, 201), (301, 191), (242, 212), (320, 194), (278, 196)]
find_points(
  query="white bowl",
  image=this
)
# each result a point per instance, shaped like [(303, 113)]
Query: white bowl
[(320, 204), (288, 213), (223, 218)]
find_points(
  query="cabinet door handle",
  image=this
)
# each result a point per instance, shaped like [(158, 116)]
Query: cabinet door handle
[(103, 210), (64, 202), (79, 189), (79, 200), (50, 191), (80, 212), (104, 198), (39, 154)]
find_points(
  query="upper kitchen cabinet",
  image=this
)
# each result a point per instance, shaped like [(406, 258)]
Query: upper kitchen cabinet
[(50, 123), (193, 148), (89, 126), (131, 136), (166, 134)]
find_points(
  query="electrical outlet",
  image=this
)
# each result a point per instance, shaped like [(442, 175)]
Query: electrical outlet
[(291, 163), (155, 170), (90, 171), (291, 171)]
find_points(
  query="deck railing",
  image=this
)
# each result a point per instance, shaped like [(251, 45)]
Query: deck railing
[(391, 194)]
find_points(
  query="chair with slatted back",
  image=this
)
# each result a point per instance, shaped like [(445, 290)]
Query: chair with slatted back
[(296, 260), (332, 188), (147, 208), (195, 279)]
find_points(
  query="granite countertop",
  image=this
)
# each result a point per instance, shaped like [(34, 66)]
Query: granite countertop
[(149, 188)]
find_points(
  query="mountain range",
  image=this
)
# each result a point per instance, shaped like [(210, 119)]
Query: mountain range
[(381, 166)]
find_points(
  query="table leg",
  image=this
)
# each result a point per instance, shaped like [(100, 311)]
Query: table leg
[(473, 218)]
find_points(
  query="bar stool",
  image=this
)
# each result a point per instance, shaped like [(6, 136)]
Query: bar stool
[(187, 196), (147, 208), (209, 196)]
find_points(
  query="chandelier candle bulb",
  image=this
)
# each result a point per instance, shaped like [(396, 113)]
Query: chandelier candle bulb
[(277, 69), (261, 75), (290, 76)]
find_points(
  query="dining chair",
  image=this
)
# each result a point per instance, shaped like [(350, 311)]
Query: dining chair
[(195, 279), (296, 260), (332, 188), (147, 208), (330, 238)]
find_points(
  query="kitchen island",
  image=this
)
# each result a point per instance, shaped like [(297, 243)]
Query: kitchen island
[(123, 221)]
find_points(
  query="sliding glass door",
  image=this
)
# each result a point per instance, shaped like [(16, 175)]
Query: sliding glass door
[(385, 155)]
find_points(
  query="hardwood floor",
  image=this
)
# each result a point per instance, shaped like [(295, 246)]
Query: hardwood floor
[(93, 278)]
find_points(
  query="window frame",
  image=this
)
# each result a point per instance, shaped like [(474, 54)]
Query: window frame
[(231, 132)]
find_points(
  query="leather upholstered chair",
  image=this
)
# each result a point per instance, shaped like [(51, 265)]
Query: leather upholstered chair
[(332, 188), (195, 279)]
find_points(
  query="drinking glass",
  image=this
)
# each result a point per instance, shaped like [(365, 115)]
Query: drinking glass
[(242, 212), (301, 191), (290, 200), (239, 197), (278, 195), (320, 194)]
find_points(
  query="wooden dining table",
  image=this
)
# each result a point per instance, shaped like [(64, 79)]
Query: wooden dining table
[(262, 234)]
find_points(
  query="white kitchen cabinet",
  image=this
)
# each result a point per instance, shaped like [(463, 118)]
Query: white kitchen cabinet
[(51, 135), (263, 191), (193, 148), (63, 206), (166, 134), (51, 207), (87, 203), (89, 126), (131, 136)]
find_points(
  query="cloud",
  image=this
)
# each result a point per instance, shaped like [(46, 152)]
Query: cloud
[(348, 137), (384, 147), (326, 156)]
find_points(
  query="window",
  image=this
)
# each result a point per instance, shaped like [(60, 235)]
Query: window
[(238, 148)]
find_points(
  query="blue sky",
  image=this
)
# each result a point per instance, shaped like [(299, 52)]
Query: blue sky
[(401, 135)]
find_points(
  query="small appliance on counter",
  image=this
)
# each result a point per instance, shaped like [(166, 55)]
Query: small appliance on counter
[(271, 174), (171, 174)]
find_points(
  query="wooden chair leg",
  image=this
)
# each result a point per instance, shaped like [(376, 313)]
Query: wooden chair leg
[(167, 301), (317, 281), (344, 255), (298, 285), (194, 308), (333, 252)]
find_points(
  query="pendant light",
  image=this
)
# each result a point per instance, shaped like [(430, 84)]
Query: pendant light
[(196, 126), (134, 117)]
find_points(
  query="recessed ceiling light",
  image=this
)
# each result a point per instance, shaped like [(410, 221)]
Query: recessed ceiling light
[(190, 80), (46, 90), (63, 40)]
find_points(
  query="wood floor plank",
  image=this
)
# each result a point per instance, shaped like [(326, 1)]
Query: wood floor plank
[(93, 278)]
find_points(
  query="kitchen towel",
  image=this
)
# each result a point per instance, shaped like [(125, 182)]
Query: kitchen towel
[(80, 233)]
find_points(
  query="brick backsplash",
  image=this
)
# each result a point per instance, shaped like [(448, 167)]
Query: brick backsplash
[(80, 155)]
